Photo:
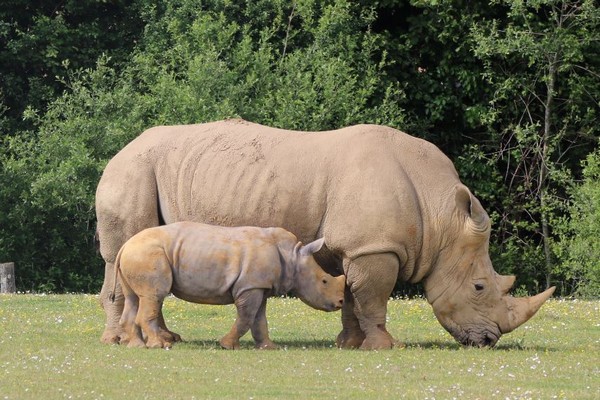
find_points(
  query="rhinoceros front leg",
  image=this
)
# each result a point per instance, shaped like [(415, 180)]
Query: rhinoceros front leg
[(260, 328), (247, 304), (112, 303), (351, 336), (371, 280)]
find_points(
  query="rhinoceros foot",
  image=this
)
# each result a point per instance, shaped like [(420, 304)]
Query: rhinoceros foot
[(350, 339), (229, 343), (171, 337), (111, 336), (377, 342), (266, 345), (136, 343), (378, 339), (164, 339)]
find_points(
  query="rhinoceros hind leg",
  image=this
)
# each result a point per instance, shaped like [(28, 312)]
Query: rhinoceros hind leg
[(135, 339), (148, 319), (132, 331), (371, 279), (113, 331)]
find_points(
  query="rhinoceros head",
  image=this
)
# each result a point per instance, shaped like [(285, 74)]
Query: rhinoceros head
[(313, 285), (469, 299)]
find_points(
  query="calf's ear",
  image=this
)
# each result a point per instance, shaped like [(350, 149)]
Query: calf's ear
[(312, 247)]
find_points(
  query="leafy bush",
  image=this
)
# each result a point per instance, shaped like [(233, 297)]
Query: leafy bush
[(579, 248), (309, 67), (515, 112), (48, 180)]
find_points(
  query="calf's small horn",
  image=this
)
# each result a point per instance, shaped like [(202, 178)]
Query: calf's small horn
[(522, 308)]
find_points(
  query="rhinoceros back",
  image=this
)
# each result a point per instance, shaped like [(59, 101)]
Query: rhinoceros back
[(236, 173), (354, 186)]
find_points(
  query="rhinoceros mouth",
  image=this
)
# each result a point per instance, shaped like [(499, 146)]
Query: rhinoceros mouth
[(324, 307), (332, 307), (486, 338)]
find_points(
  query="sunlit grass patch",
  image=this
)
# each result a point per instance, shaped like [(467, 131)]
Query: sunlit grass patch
[(49, 348)]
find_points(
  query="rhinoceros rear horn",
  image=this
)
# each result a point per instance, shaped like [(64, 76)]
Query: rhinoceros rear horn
[(522, 308), (506, 283), (312, 247)]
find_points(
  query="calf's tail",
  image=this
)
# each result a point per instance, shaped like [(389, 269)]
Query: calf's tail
[(117, 267)]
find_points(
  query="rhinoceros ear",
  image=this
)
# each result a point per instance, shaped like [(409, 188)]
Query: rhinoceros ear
[(471, 207), (312, 247)]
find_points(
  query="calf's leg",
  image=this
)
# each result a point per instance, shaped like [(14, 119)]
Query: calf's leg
[(152, 289), (167, 334), (132, 335), (148, 317), (248, 303), (260, 328)]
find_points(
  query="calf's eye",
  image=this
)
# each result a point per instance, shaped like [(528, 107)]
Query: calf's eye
[(478, 287), (324, 281)]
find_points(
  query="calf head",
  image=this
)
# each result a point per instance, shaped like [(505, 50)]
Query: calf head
[(312, 285), (468, 297)]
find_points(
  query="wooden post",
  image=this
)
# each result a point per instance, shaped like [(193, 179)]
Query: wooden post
[(7, 278)]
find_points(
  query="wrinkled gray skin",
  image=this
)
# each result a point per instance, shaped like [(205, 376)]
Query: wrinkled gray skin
[(217, 265), (389, 206)]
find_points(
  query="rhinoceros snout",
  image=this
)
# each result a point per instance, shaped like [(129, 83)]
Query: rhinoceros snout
[(337, 304), (485, 339)]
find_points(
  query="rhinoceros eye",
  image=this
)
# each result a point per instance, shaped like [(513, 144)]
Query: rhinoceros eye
[(324, 281), (479, 287)]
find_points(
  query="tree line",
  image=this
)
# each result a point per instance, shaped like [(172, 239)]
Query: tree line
[(508, 89)]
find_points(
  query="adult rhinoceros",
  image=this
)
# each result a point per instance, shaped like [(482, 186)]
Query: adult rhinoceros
[(390, 206)]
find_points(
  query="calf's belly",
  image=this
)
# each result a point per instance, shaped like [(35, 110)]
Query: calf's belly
[(203, 288), (204, 298)]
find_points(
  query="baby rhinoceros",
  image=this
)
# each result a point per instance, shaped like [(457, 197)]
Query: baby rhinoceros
[(217, 265)]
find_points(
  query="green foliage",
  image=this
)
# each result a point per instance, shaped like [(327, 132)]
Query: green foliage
[(433, 62), (40, 41), (579, 249), (194, 64), (49, 180), (508, 89), (536, 58), (297, 70)]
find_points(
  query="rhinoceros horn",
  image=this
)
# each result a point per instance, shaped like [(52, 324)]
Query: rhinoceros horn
[(520, 309), (506, 282)]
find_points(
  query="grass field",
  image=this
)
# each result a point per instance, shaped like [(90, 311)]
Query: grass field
[(49, 348)]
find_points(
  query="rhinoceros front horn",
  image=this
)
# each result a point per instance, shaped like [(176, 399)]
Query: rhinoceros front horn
[(522, 308)]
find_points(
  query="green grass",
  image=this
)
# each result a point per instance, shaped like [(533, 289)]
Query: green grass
[(49, 348)]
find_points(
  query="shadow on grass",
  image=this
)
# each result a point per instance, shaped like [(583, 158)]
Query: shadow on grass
[(213, 344), (249, 344), (449, 345)]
